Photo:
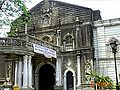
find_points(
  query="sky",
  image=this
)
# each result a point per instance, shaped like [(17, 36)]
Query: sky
[(109, 8)]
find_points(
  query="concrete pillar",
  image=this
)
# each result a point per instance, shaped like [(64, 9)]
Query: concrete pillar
[(25, 73), (78, 71), (58, 37), (58, 72), (65, 83), (74, 78), (29, 72), (16, 73), (20, 72)]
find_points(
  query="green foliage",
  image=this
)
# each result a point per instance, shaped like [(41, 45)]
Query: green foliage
[(9, 9), (102, 81), (19, 25), (13, 33)]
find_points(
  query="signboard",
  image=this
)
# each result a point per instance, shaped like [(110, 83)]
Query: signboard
[(44, 50)]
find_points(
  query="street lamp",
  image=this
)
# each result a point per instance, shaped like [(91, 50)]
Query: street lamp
[(113, 42)]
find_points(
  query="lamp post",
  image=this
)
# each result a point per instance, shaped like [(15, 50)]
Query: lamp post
[(113, 42)]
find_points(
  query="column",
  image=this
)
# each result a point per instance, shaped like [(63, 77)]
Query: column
[(65, 83), (20, 72), (78, 71), (25, 73), (58, 37), (16, 73), (74, 78), (73, 44), (64, 47), (77, 32), (29, 72), (58, 72)]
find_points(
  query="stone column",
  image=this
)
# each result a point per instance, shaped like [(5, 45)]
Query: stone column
[(58, 37), (65, 83), (16, 73), (29, 72), (76, 32), (58, 85), (25, 73), (64, 47), (58, 72), (78, 71), (74, 78), (20, 72)]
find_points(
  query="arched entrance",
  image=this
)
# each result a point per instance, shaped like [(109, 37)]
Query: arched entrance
[(69, 80), (46, 77)]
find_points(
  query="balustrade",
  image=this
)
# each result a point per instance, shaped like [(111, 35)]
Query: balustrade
[(10, 42), (31, 39), (24, 41)]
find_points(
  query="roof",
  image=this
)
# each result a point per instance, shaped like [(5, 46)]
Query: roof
[(59, 2)]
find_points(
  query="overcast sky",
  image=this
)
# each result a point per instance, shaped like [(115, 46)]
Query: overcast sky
[(110, 9)]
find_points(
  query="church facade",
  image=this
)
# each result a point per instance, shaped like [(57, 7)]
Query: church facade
[(54, 52)]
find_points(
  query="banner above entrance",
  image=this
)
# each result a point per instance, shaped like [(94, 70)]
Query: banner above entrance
[(44, 50)]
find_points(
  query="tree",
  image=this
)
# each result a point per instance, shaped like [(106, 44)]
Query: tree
[(10, 9)]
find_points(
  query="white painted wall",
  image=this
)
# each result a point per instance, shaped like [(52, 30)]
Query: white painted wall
[(104, 31)]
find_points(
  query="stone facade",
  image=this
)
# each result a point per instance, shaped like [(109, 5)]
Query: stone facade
[(70, 28)]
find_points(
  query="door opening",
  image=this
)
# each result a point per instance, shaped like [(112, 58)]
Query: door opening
[(69, 80), (46, 77)]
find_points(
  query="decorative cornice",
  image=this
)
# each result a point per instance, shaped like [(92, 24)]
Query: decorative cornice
[(110, 22)]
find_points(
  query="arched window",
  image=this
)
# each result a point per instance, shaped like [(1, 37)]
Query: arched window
[(69, 39), (46, 20), (47, 38), (69, 42)]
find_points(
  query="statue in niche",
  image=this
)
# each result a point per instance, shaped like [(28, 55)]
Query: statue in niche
[(8, 76), (8, 73), (46, 20)]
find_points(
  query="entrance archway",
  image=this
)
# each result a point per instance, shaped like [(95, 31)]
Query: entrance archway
[(70, 80), (46, 77)]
